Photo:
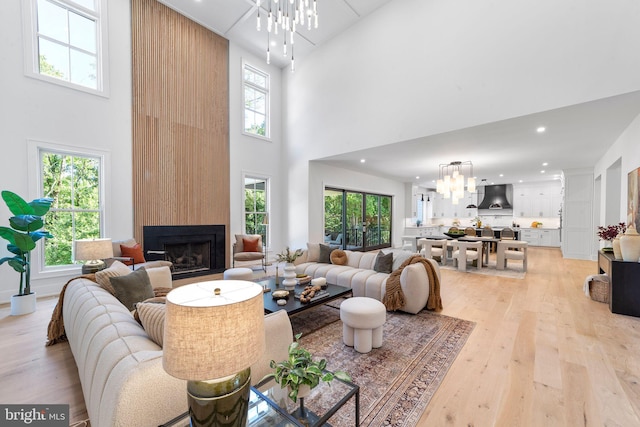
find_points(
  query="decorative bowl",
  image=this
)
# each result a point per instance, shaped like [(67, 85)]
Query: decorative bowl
[(454, 235)]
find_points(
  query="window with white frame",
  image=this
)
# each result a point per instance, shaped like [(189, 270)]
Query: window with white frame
[(74, 181), (256, 101), (66, 41), (256, 213)]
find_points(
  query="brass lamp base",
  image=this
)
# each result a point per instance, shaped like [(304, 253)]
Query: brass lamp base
[(222, 402)]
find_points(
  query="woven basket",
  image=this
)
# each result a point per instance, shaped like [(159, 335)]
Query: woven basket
[(599, 291)]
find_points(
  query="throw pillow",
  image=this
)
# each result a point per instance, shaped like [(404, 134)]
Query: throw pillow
[(132, 288), (151, 315), (250, 245), (339, 257), (384, 262), (134, 252), (116, 269), (399, 257), (313, 252), (325, 254), (160, 277)]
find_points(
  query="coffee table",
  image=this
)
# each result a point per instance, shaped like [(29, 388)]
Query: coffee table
[(294, 305)]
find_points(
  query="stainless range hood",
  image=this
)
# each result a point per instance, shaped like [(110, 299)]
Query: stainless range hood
[(495, 199)]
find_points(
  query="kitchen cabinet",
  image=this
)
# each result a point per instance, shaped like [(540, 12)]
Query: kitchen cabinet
[(542, 200), (444, 208), (541, 236)]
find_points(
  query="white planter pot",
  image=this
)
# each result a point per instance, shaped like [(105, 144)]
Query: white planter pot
[(630, 245), (289, 281), (23, 304)]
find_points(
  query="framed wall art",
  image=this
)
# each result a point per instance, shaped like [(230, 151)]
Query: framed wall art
[(633, 198)]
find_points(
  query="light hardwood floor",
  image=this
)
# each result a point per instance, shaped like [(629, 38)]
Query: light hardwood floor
[(541, 354)]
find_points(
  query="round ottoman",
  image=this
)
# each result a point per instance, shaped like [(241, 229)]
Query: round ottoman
[(362, 320), (238, 274)]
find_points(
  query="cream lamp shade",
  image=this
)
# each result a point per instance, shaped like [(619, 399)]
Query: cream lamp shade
[(93, 249), (213, 329)]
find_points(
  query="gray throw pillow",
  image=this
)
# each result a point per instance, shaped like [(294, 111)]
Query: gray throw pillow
[(325, 254), (384, 262), (132, 288)]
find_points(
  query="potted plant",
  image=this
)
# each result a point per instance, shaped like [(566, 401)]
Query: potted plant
[(288, 257), (22, 235), (300, 373)]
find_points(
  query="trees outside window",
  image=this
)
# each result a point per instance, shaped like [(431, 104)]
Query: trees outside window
[(256, 211), (74, 182), (256, 101)]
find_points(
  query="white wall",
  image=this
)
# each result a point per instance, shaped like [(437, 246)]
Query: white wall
[(627, 150), (255, 156), (36, 110), (322, 175), (416, 68)]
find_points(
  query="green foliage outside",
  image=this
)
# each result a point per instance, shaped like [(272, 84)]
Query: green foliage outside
[(74, 183), (258, 129), (377, 217), (255, 208), (48, 69)]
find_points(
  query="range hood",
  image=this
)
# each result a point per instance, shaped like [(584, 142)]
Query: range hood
[(496, 199)]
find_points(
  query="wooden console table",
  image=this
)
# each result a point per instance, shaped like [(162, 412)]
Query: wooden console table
[(624, 289)]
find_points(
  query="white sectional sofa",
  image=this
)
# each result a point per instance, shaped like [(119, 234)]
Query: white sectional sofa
[(120, 367), (359, 275)]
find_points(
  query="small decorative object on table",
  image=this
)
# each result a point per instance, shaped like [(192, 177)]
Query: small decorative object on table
[(609, 234), (289, 257)]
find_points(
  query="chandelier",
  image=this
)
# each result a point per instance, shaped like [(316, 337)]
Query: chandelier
[(285, 16), (451, 180)]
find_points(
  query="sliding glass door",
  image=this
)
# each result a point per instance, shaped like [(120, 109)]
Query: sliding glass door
[(356, 220)]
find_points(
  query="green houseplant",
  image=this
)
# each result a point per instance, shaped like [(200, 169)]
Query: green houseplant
[(301, 370), (22, 235)]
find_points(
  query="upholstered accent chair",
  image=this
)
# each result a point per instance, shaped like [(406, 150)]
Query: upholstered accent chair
[(511, 249), (434, 248), (467, 251), (247, 248), (130, 253)]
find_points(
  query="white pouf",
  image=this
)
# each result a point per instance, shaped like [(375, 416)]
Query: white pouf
[(362, 321), (238, 274)]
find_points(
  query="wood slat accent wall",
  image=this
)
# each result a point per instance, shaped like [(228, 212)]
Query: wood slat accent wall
[(180, 120)]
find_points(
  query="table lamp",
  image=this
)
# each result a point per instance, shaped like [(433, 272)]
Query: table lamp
[(213, 333), (93, 251)]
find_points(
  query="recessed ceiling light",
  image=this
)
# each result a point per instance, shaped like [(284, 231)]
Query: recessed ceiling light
[(541, 171), (520, 180), (541, 129), (362, 160), (545, 164), (273, 43), (417, 177), (501, 175)]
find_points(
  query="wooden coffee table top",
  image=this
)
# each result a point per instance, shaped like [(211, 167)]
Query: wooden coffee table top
[(294, 305)]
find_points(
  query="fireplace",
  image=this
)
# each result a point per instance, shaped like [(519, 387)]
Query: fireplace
[(194, 250)]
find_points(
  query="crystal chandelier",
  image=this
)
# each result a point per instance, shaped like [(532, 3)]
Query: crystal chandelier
[(285, 16), (451, 180)]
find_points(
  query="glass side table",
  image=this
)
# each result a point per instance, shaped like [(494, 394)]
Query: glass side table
[(269, 405)]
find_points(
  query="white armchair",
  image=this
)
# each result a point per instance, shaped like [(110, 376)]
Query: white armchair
[(511, 249), (248, 247), (467, 251), (434, 248)]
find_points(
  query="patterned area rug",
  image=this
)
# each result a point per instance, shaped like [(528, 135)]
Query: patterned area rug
[(397, 380)]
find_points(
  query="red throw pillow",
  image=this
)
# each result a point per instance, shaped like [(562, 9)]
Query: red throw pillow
[(250, 245), (134, 252)]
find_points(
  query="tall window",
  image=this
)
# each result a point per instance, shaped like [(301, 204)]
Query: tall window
[(66, 42), (74, 182), (256, 206), (256, 101)]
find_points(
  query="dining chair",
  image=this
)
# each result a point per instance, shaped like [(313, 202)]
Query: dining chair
[(467, 251), (488, 232), (470, 231), (434, 249), (507, 233), (511, 249)]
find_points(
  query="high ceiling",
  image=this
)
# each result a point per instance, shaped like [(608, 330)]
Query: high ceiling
[(575, 136)]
